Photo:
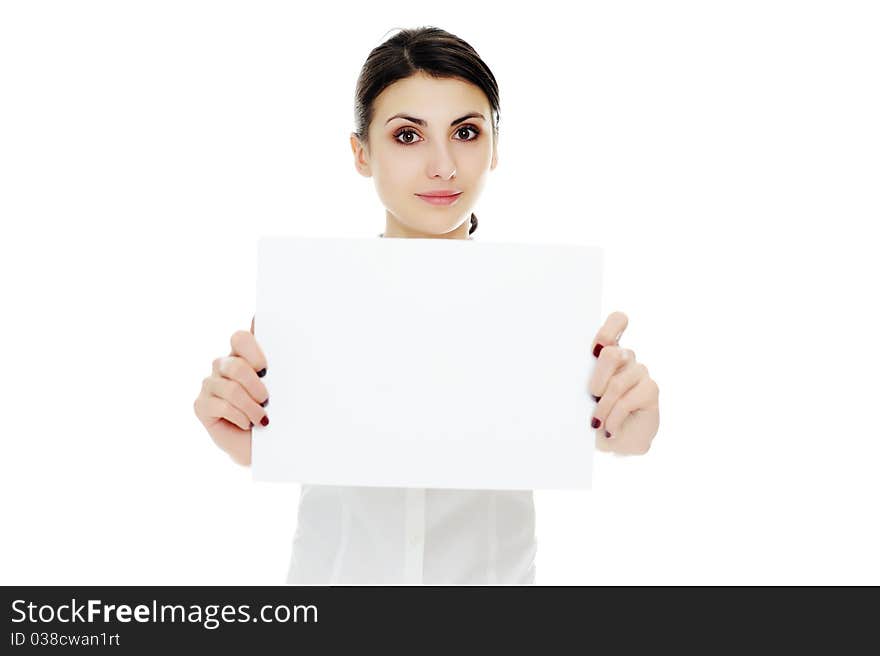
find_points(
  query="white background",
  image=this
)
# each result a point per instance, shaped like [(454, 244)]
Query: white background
[(724, 154)]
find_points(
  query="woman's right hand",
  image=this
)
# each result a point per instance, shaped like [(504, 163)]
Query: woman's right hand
[(233, 397)]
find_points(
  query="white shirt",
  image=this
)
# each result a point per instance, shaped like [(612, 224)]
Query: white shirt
[(394, 535)]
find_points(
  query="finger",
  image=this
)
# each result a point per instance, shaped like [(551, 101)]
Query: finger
[(231, 391), (638, 397), (252, 323), (610, 332), (245, 345), (223, 409), (611, 360), (620, 383), (237, 369)]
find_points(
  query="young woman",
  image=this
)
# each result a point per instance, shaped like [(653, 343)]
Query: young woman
[(426, 113)]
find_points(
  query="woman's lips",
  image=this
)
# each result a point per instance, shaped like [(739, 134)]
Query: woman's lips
[(440, 200)]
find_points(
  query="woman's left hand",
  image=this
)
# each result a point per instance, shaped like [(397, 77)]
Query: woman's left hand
[(628, 399)]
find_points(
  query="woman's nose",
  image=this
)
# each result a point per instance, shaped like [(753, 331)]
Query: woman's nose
[(441, 164)]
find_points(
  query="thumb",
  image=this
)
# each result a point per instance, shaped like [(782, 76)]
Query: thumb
[(610, 332)]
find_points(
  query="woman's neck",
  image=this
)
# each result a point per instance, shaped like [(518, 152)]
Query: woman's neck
[(394, 228)]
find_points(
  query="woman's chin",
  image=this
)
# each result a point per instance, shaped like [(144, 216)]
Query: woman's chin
[(435, 225)]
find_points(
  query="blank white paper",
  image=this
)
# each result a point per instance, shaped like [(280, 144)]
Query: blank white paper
[(437, 363)]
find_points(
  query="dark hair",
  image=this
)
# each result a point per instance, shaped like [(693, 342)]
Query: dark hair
[(425, 49)]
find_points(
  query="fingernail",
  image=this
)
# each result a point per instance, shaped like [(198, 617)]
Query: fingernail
[(262, 372), (252, 424), (597, 350), (596, 398), (264, 403), (607, 434), (265, 420), (595, 423)]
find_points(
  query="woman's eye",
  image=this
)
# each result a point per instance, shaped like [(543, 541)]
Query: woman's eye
[(405, 133), (467, 128), (407, 137)]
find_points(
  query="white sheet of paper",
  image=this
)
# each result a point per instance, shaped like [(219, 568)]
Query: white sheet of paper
[(437, 363)]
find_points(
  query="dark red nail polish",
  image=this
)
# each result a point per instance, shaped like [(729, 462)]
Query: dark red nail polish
[(265, 420), (597, 350), (595, 423), (262, 372), (596, 398), (607, 434), (265, 403)]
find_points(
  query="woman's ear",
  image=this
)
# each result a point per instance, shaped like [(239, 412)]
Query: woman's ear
[(361, 157)]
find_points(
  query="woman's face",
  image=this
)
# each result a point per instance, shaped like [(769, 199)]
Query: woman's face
[(435, 148)]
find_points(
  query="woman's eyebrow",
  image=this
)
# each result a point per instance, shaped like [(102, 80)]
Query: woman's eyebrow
[(423, 123)]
